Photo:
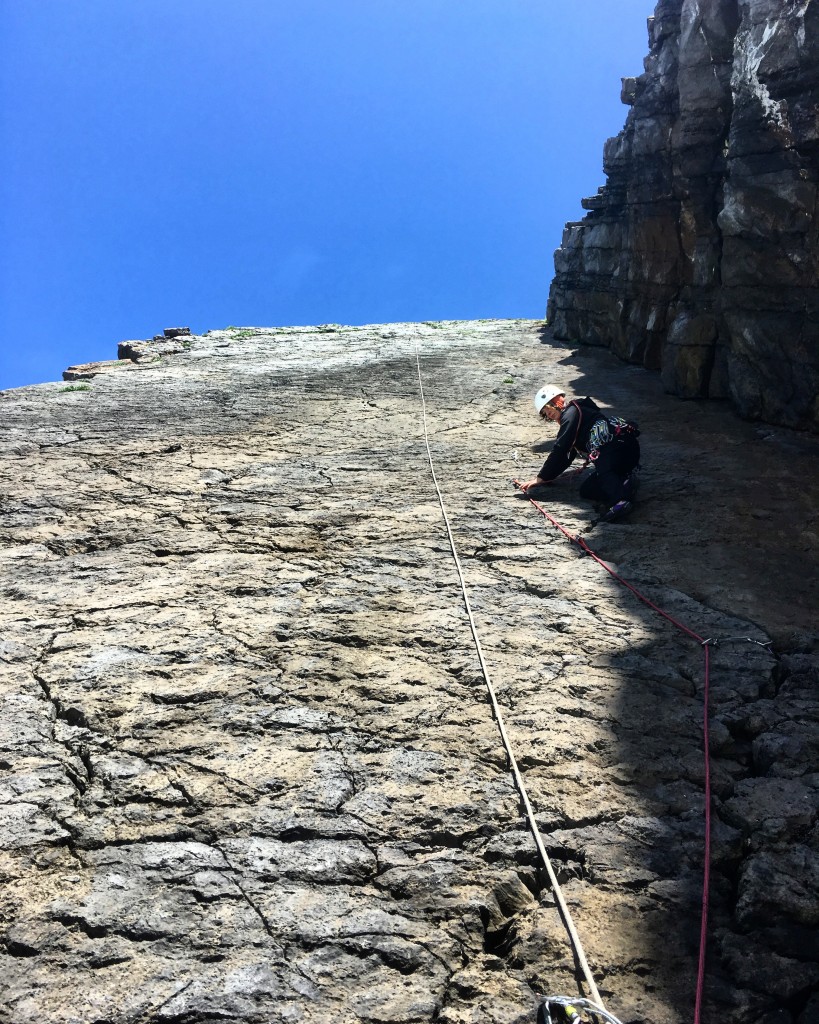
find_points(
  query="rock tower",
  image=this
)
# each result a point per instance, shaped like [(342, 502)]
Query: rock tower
[(700, 255)]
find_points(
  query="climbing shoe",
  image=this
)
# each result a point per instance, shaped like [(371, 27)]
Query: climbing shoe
[(622, 508)]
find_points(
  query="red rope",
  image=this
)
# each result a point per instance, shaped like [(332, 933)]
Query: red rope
[(706, 882)]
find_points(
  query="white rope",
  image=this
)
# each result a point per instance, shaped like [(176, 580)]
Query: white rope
[(553, 882)]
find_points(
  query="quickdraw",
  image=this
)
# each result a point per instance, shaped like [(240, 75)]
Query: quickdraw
[(567, 1010), (716, 641)]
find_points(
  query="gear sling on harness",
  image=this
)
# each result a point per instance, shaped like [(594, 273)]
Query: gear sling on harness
[(605, 430)]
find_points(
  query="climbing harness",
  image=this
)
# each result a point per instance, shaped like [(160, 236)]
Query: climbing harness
[(563, 908), (706, 644)]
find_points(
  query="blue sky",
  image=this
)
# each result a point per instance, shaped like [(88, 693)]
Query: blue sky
[(205, 162)]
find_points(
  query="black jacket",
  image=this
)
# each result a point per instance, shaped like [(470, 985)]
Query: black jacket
[(573, 437)]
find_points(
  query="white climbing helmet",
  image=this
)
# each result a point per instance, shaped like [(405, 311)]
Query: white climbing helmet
[(548, 393)]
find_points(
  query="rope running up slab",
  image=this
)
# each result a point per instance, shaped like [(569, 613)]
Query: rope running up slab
[(513, 765), (705, 644)]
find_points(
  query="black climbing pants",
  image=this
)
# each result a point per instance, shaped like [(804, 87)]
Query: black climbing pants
[(611, 468)]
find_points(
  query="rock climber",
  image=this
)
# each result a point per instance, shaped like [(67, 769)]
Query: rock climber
[(608, 443)]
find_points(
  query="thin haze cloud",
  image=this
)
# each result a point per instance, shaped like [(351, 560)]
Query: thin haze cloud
[(193, 162)]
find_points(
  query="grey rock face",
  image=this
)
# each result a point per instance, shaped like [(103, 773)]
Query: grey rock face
[(250, 772), (701, 253), (87, 371)]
